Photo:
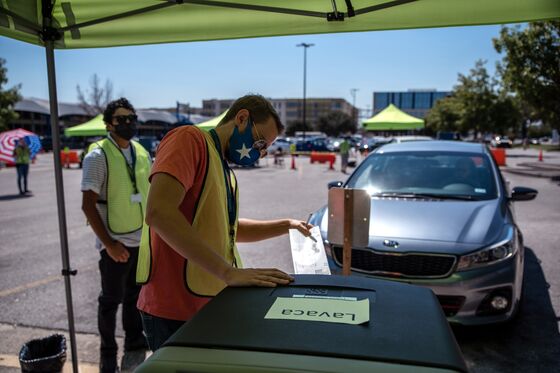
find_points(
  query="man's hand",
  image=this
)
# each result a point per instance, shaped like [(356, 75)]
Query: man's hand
[(265, 277), (301, 226), (118, 252)]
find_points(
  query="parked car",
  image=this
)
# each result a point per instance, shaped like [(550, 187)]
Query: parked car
[(399, 139), (281, 143), (317, 144), (150, 143), (442, 217), (501, 142), (372, 143)]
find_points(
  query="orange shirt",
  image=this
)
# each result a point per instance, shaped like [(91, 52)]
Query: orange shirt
[(182, 154)]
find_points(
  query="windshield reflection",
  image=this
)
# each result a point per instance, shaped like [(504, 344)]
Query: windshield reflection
[(437, 174)]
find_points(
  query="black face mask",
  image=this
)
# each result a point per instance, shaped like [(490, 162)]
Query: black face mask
[(126, 131)]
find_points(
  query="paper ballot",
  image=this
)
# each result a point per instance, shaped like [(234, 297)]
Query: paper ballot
[(308, 256)]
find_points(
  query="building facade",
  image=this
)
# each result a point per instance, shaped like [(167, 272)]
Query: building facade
[(290, 109), (414, 102), (34, 116)]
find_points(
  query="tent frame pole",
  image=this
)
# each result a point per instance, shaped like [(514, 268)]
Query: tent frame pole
[(55, 132)]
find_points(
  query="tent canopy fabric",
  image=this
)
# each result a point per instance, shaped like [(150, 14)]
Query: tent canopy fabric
[(212, 123), (103, 23), (392, 118), (94, 127)]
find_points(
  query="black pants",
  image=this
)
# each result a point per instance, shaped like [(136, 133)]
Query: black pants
[(158, 330), (22, 171), (118, 285)]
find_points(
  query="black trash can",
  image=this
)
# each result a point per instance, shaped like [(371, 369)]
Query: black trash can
[(43, 355)]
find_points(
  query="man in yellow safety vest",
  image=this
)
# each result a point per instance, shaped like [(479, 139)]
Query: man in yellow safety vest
[(188, 254), (115, 187)]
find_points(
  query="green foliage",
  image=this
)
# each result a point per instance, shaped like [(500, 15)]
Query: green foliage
[(8, 98), (336, 123), (531, 68), (476, 104), (445, 115), (297, 125)]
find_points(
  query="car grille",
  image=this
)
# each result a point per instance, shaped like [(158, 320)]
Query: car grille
[(411, 265)]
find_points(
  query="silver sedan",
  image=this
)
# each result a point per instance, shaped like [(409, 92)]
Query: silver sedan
[(442, 216)]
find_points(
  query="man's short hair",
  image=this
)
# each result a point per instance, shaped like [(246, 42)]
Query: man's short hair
[(113, 106), (260, 108)]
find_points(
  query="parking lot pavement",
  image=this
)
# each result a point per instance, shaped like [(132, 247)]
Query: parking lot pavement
[(32, 302), (526, 162)]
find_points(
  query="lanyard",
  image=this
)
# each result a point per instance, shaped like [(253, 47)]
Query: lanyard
[(231, 205), (130, 168)]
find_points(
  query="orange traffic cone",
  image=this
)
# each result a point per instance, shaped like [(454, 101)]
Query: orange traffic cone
[(540, 156), (293, 163)]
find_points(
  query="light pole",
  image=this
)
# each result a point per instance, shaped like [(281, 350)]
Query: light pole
[(353, 93), (305, 46)]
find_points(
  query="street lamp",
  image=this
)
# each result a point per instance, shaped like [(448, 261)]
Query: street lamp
[(305, 46), (353, 93)]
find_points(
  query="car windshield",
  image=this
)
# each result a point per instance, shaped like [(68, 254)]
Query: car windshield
[(446, 175)]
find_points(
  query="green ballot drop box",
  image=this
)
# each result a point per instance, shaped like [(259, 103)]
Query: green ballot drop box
[(316, 324)]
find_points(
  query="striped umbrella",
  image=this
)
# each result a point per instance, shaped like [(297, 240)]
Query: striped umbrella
[(8, 142)]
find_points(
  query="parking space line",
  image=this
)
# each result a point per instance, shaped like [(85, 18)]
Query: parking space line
[(41, 282)]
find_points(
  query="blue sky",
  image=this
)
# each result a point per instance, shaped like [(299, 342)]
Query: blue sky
[(160, 75)]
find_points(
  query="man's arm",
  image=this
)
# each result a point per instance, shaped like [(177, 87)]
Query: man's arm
[(163, 215), (115, 249), (250, 230)]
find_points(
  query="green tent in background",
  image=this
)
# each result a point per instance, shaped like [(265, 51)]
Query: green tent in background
[(94, 127), (212, 123), (391, 119)]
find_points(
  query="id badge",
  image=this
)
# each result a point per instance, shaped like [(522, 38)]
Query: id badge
[(136, 198)]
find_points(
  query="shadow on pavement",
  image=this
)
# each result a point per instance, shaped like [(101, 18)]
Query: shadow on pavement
[(531, 342), (9, 197)]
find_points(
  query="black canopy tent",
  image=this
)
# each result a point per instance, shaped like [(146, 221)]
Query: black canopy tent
[(89, 23)]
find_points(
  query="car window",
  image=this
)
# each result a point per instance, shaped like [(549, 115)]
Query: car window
[(441, 173)]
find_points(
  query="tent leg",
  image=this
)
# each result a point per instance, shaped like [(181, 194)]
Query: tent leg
[(66, 271)]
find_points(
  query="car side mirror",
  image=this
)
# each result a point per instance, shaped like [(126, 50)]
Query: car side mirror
[(335, 184), (523, 194)]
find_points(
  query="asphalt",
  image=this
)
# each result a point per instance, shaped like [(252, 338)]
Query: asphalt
[(533, 163), (32, 303)]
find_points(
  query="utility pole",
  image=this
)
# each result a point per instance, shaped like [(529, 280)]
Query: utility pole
[(353, 93), (305, 46)]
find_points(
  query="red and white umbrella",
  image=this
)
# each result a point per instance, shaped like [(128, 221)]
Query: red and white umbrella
[(8, 142)]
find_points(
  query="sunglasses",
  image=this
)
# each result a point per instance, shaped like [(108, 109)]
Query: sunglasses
[(124, 119), (260, 144)]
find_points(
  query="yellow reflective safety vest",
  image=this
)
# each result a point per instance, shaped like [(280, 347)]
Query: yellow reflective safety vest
[(125, 215), (210, 221), (22, 155)]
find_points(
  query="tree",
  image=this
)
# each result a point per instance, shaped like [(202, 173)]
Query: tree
[(476, 104), (297, 125), (94, 101), (445, 115), (8, 98), (531, 67), (335, 123), (476, 95)]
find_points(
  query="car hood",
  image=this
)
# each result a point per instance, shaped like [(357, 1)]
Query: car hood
[(436, 226)]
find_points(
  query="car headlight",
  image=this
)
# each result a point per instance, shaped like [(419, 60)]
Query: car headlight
[(490, 255)]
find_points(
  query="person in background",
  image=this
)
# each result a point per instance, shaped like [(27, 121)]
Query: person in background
[(115, 187), (344, 154), (22, 157), (188, 251)]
